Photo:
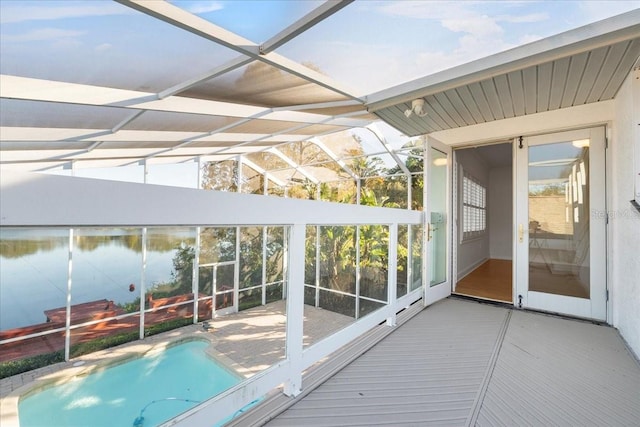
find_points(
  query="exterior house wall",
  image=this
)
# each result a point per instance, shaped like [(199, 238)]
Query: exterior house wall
[(621, 115), (624, 220)]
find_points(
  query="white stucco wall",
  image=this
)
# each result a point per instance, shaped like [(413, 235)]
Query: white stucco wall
[(624, 222)]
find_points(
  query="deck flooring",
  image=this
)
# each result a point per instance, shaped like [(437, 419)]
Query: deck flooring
[(465, 363)]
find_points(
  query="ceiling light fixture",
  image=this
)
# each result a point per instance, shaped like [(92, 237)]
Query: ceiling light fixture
[(417, 108), (580, 143)]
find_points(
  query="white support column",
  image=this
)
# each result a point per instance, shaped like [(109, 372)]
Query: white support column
[(317, 278), (409, 257), (145, 173), (285, 262), (67, 333), (239, 174), (264, 265), (295, 310), (143, 287), (426, 216), (409, 191), (265, 187), (199, 173), (195, 281), (357, 313), (392, 278), (236, 273)]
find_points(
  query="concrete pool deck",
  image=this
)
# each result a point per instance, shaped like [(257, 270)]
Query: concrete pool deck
[(246, 342)]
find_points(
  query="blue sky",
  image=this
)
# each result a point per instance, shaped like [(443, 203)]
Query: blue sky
[(369, 45)]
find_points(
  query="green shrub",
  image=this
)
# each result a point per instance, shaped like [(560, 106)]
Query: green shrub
[(15, 367)]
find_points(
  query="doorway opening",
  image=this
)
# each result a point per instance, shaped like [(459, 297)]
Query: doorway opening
[(484, 213)]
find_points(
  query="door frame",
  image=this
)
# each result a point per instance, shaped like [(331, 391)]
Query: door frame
[(596, 307)]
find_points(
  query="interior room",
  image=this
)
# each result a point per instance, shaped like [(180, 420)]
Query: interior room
[(485, 216)]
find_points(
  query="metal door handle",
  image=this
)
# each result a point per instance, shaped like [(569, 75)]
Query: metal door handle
[(521, 233)]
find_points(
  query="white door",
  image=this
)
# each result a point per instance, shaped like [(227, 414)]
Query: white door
[(437, 210), (560, 244)]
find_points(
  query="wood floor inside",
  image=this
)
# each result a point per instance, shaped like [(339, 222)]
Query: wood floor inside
[(492, 280)]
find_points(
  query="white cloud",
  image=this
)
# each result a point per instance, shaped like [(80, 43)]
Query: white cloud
[(205, 7), (103, 47), (598, 10), (478, 25), (11, 13), (529, 38), (42, 34), (517, 19)]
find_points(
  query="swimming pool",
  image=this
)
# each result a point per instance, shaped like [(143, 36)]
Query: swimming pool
[(142, 392)]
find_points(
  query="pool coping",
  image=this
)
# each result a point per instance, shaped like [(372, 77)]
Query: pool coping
[(33, 381)]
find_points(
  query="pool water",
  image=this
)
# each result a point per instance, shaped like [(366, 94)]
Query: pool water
[(143, 392)]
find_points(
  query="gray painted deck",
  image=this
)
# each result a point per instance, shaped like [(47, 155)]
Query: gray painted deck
[(464, 363)]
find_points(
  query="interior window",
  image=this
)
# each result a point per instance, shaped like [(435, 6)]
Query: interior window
[(474, 204)]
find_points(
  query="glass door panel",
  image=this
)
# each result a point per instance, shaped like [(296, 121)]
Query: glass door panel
[(559, 219), (438, 217), (560, 249), (437, 210)]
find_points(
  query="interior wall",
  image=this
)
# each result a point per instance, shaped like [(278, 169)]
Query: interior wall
[(624, 219), (500, 213), (471, 253)]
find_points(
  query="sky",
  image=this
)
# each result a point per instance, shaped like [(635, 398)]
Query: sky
[(367, 46)]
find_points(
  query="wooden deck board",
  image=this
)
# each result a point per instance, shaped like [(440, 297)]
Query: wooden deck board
[(539, 370)]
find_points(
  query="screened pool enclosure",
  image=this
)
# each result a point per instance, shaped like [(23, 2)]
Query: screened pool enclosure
[(173, 170)]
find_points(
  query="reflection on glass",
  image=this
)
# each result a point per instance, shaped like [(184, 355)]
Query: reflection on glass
[(402, 275), (337, 258), (33, 279), (417, 235), (105, 283), (250, 257), (34, 269), (374, 265), (559, 219), (169, 275), (438, 217)]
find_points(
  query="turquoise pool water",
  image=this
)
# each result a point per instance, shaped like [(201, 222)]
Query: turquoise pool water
[(143, 392)]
